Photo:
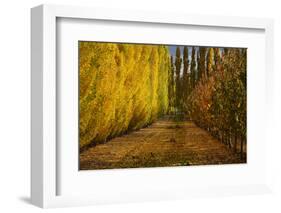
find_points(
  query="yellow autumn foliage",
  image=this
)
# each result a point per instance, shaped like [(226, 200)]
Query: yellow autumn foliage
[(123, 87)]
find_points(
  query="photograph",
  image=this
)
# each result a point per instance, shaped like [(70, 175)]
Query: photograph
[(161, 105)]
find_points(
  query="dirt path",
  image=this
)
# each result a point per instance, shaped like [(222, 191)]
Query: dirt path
[(164, 143)]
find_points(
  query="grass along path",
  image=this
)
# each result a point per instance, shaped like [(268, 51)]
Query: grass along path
[(164, 143)]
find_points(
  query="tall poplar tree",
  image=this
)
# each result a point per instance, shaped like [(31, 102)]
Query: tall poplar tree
[(172, 85), (185, 79), (217, 58), (178, 63), (185, 61), (193, 68), (198, 65), (210, 62), (226, 50), (202, 62)]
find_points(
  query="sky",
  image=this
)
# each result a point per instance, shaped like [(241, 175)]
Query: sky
[(173, 48)]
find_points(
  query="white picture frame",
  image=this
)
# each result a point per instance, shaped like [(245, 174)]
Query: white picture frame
[(44, 150)]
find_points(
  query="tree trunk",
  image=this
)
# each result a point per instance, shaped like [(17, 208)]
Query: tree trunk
[(235, 142), (230, 140), (241, 148)]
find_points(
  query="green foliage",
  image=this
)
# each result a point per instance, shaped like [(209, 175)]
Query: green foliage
[(123, 87)]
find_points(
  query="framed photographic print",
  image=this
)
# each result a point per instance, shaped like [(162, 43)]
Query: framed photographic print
[(130, 106)]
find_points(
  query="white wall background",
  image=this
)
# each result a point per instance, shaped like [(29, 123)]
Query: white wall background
[(15, 105)]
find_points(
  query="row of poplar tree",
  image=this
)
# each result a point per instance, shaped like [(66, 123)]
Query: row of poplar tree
[(122, 88), (210, 88)]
